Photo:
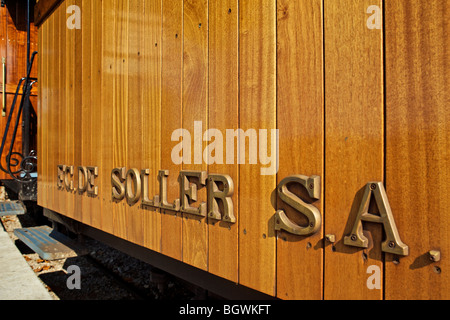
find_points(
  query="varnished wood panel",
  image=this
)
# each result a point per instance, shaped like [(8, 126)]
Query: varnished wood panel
[(40, 145), (120, 106), (300, 111), (56, 110), (86, 104), (257, 49), (113, 92), (95, 147), (418, 144), (195, 109), (62, 195), (52, 116), (43, 188), (136, 85), (353, 142), (224, 114), (171, 117), (70, 74), (151, 38), (107, 101)]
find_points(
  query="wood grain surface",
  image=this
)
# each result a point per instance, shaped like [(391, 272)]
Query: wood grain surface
[(418, 136), (257, 49), (223, 115), (352, 104), (300, 114), (354, 142)]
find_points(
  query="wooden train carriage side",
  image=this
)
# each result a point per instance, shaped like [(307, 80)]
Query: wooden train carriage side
[(323, 124)]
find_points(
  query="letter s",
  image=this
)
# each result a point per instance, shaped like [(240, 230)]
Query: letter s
[(118, 176), (282, 222)]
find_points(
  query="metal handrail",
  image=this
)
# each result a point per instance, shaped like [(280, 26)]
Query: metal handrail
[(26, 160)]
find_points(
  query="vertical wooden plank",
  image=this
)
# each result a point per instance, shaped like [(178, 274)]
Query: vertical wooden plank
[(353, 142), (223, 115), (300, 111), (3, 51), (151, 114), (418, 144), (54, 71), (86, 107), (51, 115), (172, 57), (76, 138), (97, 110), (62, 133), (40, 145), (107, 118), (120, 119), (70, 114), (44, 109), (135, 142), (257, 243), (57, 110), (195, 109)]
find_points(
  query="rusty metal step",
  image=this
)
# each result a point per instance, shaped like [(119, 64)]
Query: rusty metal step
[(50, 244)]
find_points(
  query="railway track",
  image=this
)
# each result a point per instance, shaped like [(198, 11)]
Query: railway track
[(106, 274)]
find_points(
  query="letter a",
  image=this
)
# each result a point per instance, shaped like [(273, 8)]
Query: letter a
[(393, 243), (374, 21), (374, 281), (74, 281), (74, 21)]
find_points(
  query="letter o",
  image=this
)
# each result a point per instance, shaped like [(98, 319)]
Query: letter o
[(133, 178)]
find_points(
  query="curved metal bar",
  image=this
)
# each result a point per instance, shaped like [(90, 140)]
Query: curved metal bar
[(25, 158), (26, 162), (5, 135)]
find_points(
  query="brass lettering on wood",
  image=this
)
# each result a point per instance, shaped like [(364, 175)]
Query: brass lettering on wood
[(118, 176), (164, 203), (68, 173), (188, 191), (215, 181), (282, 222), (146, 201), (86, 179), (92, 173), (133, 181), (393, 243), (133, 185), (82, 179), (61, 173)]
